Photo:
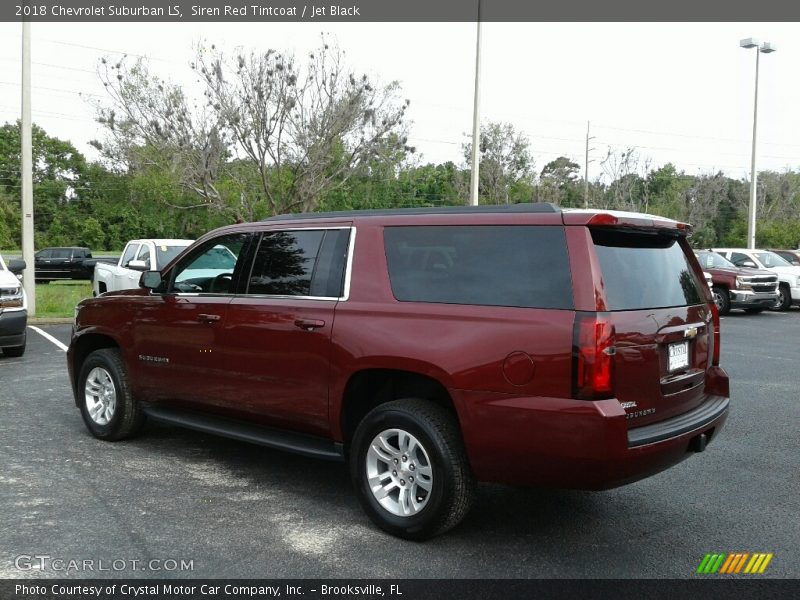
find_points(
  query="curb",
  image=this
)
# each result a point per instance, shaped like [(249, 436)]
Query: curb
[(49, 321)]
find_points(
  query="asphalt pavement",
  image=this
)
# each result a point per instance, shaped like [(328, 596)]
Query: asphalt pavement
[(236, 510)]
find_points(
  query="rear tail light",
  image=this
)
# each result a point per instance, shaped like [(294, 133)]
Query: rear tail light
[(593, 356), (715, 325)]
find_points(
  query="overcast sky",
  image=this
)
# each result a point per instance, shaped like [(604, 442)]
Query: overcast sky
[(680, 93)]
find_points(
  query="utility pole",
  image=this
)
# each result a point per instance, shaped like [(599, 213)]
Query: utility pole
[(476, 119), (29, 279), (586, 170)]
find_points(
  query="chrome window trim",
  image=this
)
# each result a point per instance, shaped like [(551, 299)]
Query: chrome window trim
[(347, 269), (347, 273)]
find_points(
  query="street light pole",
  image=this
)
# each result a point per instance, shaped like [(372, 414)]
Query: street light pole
[(766, 48), (476, 119), (26, 166)]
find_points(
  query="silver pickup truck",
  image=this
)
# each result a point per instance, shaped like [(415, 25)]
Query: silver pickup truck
[(139, 256)]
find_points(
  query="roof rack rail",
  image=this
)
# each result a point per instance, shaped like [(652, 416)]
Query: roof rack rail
[(536, 207)]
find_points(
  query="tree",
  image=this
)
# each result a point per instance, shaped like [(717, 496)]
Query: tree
[(505, 162), (152, 123), (558, 181), (58, 172), (305, 130)]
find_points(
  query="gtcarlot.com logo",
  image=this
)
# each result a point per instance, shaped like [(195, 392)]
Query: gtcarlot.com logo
[(45, 562), (734, 562)]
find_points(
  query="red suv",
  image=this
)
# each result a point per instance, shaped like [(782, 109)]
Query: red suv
[(431, 348)]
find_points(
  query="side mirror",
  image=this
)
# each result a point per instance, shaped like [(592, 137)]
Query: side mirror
[(137, 265), (17, 266), (749, 264), (151, 280)]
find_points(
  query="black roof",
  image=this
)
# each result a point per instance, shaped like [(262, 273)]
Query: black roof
[(538, 207)]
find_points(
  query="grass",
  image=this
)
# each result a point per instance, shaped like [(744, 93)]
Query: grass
[(58, 298)]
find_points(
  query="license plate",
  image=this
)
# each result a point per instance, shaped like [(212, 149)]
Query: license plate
[(678, 355)]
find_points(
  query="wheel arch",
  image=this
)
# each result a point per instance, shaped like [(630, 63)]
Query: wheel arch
[(370, 387), (82, 347)]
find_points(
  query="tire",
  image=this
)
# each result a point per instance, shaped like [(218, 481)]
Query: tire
[(451, 486), (115, 415), (784, 300), (722, 299), (16, 351), (753, 311)]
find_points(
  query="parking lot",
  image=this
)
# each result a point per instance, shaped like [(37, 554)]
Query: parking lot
[(237, 510)]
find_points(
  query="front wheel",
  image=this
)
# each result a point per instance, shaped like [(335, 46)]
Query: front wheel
[(107, 406), (410, 469), (722, 299), (784, 298)]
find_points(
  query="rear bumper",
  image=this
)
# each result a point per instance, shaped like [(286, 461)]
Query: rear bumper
[(12, 327), (579, 444)]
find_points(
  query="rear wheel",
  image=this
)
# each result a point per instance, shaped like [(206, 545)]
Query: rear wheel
[(108, 408), (722, 299), (410, 469), (784, 298)]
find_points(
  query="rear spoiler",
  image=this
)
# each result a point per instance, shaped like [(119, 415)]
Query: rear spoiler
[(619, 219)]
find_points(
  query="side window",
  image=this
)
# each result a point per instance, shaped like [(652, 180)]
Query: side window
[(44, 254), (738, 258), (284, 263), (212, 268), (130, 252), (515, 265), (144, 254), (62, 253)]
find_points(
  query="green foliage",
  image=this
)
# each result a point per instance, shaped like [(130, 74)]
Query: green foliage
[(92, 205)]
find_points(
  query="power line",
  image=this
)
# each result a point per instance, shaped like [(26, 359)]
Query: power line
[(49, 89)]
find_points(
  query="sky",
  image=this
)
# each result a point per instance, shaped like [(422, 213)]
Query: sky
[(676, 92)]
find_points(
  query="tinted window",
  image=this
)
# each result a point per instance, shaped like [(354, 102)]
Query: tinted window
[(212, 268), (284, 263), (738, 258), (645, 271), (524, 266), (62, 253), (44, 254)]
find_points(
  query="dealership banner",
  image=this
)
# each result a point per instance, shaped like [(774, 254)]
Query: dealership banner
[(397, 10), (398, 589)]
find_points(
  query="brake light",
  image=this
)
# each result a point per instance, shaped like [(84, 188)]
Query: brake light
[(593, 357), (715, 324)]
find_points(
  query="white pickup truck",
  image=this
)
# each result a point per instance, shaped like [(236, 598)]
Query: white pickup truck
[(139, 256)]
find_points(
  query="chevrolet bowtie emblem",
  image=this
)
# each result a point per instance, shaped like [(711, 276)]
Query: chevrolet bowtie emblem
[(690, 333)]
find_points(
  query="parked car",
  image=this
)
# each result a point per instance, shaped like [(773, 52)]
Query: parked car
[(788, 275), (790, 256), (138, 256), (64, 263), (431, 348), (735, 287), (13, 308)]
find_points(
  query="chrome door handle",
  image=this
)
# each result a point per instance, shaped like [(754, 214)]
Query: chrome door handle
[(309, 324), (208, 318)]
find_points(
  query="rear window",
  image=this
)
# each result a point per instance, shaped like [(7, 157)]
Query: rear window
[(518, 265), (643, 270)]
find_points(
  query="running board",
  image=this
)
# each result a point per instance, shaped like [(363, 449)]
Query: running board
[(299, 443)]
